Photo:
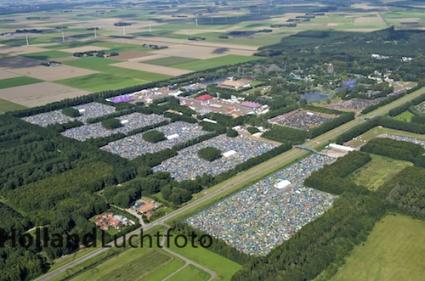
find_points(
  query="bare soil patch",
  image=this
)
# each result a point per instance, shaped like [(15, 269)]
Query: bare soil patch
[(84, 49), (53, 73), (39, 94), (132, 55)]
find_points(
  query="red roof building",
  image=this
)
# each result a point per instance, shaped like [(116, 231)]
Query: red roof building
[(204, 97)]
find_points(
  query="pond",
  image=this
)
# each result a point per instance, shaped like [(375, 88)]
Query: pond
[(314, 97)]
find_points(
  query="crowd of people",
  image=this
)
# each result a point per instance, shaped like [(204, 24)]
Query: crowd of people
[(129, 123), (48, 118), (302, 119), (355, 104), (87, 111), (403, 138), (262, 216), (188, 165), (175, 133)]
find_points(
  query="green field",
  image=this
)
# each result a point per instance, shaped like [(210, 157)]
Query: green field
[(214, 62), (131, 265), (104, 65), (224, 267), (394, 251), (101, 82), (378, 171), (164, 271), (17, 81), (405, 116), (170, 61), (190, 273), (6, 106), (47, 55)]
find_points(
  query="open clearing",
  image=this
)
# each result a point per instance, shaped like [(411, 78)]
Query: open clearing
[(378, 171), (170, 71), (17, 81), (165, 270), (190, 273), (52, 73), (394, 251), (6, 106), (405, 116), (47, 55), (104, 65), (215, 62), (4, 74), (84, 49), (39, 94), (101, 82), (132, 265), (131, 55), (224, 267), (169, 61)]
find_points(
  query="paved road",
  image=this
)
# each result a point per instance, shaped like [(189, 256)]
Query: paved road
[(244, 178)]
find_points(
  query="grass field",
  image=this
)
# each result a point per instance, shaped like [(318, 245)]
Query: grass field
[(170, 61), (17, 81), (190, 273), (224, 267), (101, 82), (164, 271), (405, 116), (6, 106), (47, 55), (214, 62), (131, 265), (378, 171), (394, 251), (104, 65)]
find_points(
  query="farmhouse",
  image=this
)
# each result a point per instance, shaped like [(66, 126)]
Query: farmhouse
[(146, 207), (109, 220)]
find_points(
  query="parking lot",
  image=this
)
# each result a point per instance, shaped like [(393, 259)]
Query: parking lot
[(263, 216)]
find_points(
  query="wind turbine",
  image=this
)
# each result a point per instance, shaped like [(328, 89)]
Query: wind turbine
[(63, 35)]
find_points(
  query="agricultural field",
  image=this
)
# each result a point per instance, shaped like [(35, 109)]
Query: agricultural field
[(127, 266), (102, 82), (393, 251), (17, 81), (214, 62), (224, 267), (6, 106)]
